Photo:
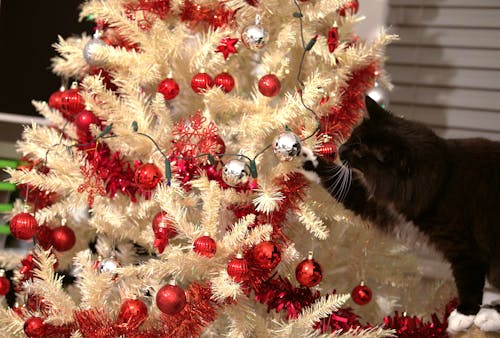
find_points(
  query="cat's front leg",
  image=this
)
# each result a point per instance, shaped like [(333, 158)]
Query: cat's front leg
[(469, 273)]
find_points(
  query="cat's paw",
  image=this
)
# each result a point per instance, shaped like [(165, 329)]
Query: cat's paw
[(309, 162), (488, 320), (458, 322)]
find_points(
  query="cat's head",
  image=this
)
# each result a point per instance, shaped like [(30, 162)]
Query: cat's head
[(381, 145)]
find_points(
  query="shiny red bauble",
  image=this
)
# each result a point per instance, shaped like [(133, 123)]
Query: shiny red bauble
[(267, 255), (361, 294), (224, 81), (171, 299), (201, 82), (269, 85), (44, 236), (169, 88), (84, 119), (205, 246), (147, 176), (237, 268), (162, 221), (4, 284), (309, 272), (23, 226), (34, 327), (71, 103), (63, 238), (351, 8), (133, 312), (55, 99)]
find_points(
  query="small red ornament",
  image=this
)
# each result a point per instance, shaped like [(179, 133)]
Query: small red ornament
[(147, 176), (23, 226), (4, 284), (269, 85), (169, 88), (55, 99), (309, 272), (34, 327), (133, 312), (162, 221), (333, 38), (237, 268), (267, 255), (84, 119), (71, 102), (201, 81), (44, 236), (205, 246), (361, 294), (224, 81), (350, 8), (63, 238), (227, 46), (171, 299), (327, 149)]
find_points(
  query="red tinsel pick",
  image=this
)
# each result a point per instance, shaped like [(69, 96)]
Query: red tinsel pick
[(227, 46), (95, 323), (413, 326), (146, 11), (199, 311), (39, 199), (215, 16), (341, 119), (279, 294)]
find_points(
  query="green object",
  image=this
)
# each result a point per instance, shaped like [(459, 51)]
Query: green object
[(5, 207), (4, 229), (4, 186), (105, 131), (297, 15), (253, 168), (135, 126), (8, 163), (211, 159), (168, 171)]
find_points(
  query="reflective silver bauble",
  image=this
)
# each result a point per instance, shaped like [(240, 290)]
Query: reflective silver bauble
[(379, 94), (287, 146), (109, 265), (235, 173), (255, 36), (90, 49)]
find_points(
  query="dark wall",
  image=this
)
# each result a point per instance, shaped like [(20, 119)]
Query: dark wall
[(28, 28)]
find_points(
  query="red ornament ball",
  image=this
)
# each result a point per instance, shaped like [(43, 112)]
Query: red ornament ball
[(269, 85), (200, 82), (63, 238), (34, 327), (23, 226), (237, 268), (224, 81), (351, 8), (44, 236), (267, 255), (133, 312), (84, 119), (361, 294), (55, 100), (169, 88), (309, 272), (147, 176), (205, 246), (71, 103), (161, 221), (171, 299), (4, 284)]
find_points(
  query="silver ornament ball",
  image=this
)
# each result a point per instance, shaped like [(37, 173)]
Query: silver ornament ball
[(287, 146), (90, 49), (235, 173), (109, 265), (379, 94), (255, 36)]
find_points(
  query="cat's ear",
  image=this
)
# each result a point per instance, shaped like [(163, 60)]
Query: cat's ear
[(374, 110)]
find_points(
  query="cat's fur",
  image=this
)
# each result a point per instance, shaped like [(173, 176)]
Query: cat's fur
[(449, 189)]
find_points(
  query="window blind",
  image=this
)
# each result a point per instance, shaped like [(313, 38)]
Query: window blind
[(446, 67)]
